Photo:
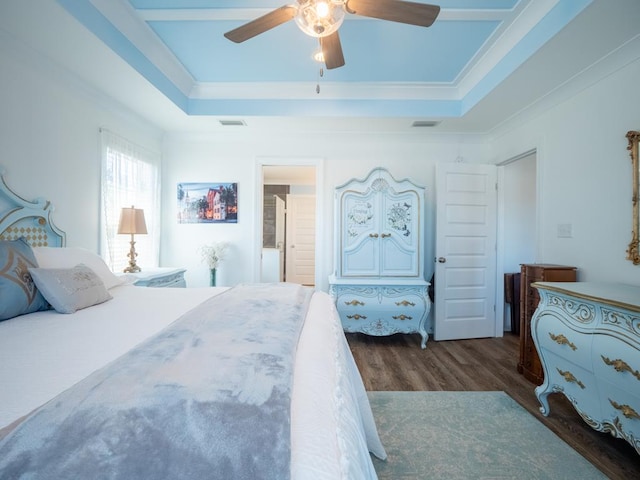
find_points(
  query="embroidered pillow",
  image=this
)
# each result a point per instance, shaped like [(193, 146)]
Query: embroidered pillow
[(68, 257), (70, 289), (18, 293)]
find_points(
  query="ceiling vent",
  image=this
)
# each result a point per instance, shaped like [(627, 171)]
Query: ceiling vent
[(233, 123), (424, 123)]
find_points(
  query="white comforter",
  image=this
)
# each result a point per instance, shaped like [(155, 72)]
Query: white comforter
[(44, 353)]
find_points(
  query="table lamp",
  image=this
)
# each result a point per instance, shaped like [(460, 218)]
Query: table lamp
[(132, 222)]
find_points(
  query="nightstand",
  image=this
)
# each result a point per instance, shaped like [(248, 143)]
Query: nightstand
[(161, 277)]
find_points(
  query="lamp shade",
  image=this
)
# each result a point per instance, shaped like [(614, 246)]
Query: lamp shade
[(132, 221)]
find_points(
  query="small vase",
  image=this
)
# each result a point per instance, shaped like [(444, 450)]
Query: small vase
[(212, 277)]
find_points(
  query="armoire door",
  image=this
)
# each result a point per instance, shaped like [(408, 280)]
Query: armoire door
[(399, 234), (360, 234)]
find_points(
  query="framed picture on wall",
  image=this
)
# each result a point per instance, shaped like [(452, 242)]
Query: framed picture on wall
[(207, 202)]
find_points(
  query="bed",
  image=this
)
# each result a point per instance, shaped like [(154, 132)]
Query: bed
[(104, 391)]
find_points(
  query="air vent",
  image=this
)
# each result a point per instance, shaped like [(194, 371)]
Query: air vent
[(233, 123), (424, 123)]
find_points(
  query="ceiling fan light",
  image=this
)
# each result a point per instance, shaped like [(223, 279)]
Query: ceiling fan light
[(322, 9), (319, 18)]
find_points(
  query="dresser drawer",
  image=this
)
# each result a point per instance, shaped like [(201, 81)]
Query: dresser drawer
[(621, 409), (399, 312), (617, 362), (577, 383), (555, 336)]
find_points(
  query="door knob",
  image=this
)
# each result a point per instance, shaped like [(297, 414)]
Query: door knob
[(442, 260)]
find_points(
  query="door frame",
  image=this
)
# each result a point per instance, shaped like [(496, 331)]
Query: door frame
[(261, 162), (500, 237)]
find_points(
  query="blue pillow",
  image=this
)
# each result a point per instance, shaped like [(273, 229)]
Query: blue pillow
[(18, 293)]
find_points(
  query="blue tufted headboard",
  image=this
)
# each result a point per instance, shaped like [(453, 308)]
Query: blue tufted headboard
[(31, 220)]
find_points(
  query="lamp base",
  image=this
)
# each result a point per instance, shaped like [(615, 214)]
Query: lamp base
[(133, 267)]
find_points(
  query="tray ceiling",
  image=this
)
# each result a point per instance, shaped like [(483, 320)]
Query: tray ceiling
[(481, 62)]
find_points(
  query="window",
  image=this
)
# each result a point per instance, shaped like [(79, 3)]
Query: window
[(130, 176)]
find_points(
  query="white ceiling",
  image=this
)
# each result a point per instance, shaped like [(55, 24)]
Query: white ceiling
[(481, 63)]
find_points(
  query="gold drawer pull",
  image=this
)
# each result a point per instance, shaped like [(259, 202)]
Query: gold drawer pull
[(562, 340), (356, 317), (569, 377), (626, 410), (373, 235), (385, 235), (621, 366), (354, 303), (405, 303), (402, 317)]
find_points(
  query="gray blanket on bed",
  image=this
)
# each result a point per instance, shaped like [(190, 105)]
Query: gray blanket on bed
[(208, 397)]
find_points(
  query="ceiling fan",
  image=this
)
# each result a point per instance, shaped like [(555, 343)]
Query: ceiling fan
[(322, 18)]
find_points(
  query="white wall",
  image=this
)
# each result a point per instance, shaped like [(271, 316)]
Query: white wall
[(584, 175), (49, 140), (232, 158)]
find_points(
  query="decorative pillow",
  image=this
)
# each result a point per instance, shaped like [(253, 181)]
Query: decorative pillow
[(70, 289), (68, 257), (18, 293)]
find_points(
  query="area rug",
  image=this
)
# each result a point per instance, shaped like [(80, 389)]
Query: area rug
[(469, 435)]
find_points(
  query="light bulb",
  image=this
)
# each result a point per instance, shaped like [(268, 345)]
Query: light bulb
[(319, 18), (322, 9)]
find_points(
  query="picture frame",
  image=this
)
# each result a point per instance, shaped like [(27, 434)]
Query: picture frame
[(207, 202)]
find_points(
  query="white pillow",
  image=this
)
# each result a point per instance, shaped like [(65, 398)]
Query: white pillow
[(69, 257), (70, 289)]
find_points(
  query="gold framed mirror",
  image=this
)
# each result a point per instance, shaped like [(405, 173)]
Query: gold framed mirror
[(633, 252)]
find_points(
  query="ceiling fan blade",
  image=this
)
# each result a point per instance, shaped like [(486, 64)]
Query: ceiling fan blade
[(412, 13), (262, 24), (332, 51)]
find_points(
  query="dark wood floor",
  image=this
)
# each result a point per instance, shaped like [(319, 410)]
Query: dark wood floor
[(398, 363)]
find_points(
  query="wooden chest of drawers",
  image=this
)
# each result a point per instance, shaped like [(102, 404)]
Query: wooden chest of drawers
[(529, 362), (588, 338)]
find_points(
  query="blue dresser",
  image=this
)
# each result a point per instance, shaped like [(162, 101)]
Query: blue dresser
[(588, 338)]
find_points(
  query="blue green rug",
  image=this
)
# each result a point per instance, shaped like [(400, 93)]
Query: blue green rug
[(469, 435)]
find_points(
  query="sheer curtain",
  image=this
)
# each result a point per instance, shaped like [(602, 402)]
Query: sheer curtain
[(130, 176)]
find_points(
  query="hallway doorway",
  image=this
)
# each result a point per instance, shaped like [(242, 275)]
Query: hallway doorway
[(288, 222)]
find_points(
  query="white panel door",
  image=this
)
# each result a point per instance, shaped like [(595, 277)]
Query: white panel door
[(301, 237), (465, 268)]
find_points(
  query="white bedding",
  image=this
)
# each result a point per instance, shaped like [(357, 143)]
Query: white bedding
[(44, 353)]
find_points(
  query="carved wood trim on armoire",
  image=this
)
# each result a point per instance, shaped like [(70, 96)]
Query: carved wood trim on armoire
[(529, 363)]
